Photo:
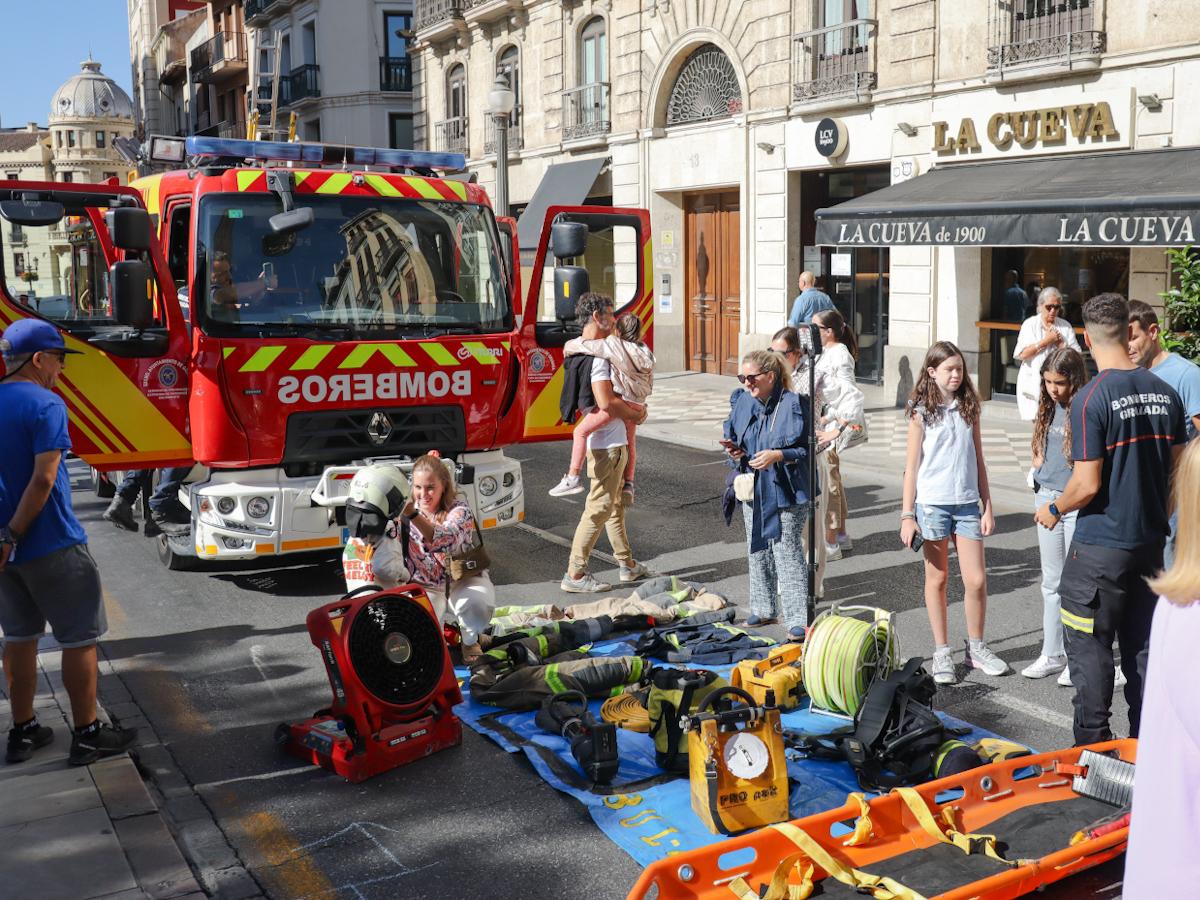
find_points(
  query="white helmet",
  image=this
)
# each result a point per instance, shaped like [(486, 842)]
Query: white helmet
[(377, 495)]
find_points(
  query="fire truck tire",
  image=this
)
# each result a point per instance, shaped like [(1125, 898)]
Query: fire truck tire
[(176, 562), (103, 486)]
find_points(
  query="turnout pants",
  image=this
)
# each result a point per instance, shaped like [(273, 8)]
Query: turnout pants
[(1104, 596)]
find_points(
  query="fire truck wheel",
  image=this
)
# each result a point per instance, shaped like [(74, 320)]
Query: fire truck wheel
[(103, 486), (176, 562)]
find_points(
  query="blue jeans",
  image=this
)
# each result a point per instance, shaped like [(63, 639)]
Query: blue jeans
[(938, 521), (131, 484), (1169, 547), (1053, 546), (169, 482)]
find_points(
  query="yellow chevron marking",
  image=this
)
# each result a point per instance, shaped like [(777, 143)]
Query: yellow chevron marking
[(335, 183), (425, 189), (311, 358), (458, 187), (544, 416), (480, 351), (358, 357), (245, 178), (302, 177), (648, 268), (439, 354), (114, 442), (382, 186), (149, 188), (262, 359), (505, 345), (227, 351)]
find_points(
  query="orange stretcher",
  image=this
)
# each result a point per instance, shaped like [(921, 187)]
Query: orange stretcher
[(1001, 830)]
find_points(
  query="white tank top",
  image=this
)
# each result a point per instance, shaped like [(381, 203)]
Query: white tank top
[(948, 473)]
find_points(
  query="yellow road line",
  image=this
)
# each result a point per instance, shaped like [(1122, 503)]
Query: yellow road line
[(289, 874)]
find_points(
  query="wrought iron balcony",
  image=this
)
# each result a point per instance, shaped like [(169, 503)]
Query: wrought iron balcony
[(515, 139), (431, 14), (586, 111), (1036, 34), (220, 56), (835, 62), (451, 135), (395, 73), (490, 10), (303, 83), (257, 12)]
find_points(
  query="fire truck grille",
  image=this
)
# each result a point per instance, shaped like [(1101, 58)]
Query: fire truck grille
[(342, 436)]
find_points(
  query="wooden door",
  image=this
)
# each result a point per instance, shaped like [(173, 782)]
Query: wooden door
[(712, 275)]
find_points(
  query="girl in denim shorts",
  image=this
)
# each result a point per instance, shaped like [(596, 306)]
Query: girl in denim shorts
[(946, 495)]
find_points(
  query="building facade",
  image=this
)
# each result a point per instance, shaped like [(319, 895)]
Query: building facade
[(341, 66), (733, 123), (147, 19), (219, 71), (88, 114)]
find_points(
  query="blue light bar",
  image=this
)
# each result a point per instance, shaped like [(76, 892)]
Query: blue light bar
[(323, 154)]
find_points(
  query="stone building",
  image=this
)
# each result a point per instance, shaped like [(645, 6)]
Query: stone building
[(155, 98), (87, 115), (735, 122), (25, 155)]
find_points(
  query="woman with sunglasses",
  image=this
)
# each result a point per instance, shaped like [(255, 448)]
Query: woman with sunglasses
[(766, 438), (1040, 333)]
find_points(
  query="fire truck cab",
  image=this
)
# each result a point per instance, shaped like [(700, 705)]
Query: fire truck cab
[(283, 313)]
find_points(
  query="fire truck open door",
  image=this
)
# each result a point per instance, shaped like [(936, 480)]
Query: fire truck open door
[(602, 249), (89, 263)]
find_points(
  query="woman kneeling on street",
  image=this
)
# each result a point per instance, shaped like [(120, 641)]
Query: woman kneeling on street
[(766, 439)]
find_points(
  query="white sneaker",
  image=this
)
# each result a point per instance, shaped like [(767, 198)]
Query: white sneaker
[(832, 551), (1120, 680), (844, 541), (636, 572), (943, 667), (1045, 665), (985, 660), (585, 584), (1064, 677), (570, 484)]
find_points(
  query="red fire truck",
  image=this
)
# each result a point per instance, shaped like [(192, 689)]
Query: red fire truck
[(311, 308)]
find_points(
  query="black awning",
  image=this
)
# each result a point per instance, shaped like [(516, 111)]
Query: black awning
[(564, 184), (1145, 198)]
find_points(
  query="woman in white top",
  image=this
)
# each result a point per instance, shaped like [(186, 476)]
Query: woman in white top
[(1039, 335), (843, 409)]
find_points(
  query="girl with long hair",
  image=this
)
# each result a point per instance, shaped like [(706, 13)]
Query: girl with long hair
[(1062, 374), (1165, 829), (946, 495)]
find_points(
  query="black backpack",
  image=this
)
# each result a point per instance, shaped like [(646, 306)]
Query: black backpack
[(895, 736)]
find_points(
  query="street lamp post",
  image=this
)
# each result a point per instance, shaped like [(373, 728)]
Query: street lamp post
[(501, 102)]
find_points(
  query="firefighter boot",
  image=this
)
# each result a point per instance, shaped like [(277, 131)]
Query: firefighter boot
[(120, 513)]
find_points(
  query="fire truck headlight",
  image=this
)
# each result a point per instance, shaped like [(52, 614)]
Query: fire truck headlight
[(226, 505), (488, 486), (509, 479), (258, 507)]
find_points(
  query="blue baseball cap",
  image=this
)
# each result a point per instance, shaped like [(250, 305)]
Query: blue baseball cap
[(31, 336)]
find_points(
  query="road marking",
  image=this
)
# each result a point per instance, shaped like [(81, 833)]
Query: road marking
[(113, 610), (171, 697), (552, 538), (1049, 716), (364, 829), (292, 875), (262, 776)]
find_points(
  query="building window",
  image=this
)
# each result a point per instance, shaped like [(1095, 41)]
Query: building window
[(12, 176), (705, 89), (18, 258), (100, 139), (400, 131), (509, 65), (396, 30), (593, 52), (312, 130), (835, 12), (58, 139), (71, 137), (308, 34), (108, 175), (68, 176), (456, 93)]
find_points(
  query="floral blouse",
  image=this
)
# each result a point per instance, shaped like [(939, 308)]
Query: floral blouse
[(454, 534)]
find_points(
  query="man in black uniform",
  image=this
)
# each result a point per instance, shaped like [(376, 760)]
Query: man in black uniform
[(1127, 430)]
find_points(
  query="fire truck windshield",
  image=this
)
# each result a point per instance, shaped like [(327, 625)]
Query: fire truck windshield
[(366, 265)]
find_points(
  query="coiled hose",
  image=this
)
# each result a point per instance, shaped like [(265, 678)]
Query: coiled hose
[(843, 656)]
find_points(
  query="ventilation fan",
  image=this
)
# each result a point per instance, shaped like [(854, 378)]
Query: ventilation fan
[(393, 685)]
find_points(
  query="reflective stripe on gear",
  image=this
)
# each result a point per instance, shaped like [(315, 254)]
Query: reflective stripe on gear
[(1079, 623)]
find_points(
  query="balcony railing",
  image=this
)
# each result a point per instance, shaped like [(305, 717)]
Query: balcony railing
[(837, 61), (260, 10), (1029, 33), (585, 111), (303, 83), (434, 12), (515, 139), (226, 49), (395, 73), (451, 135), (224, 129)]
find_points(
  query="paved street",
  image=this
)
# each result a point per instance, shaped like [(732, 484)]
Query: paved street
[(215, 659)]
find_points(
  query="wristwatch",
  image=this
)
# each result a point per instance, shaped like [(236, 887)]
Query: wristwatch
[(7, 536), (1053, 507)]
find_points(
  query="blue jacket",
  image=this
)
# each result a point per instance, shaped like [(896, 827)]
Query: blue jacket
[(779, 424)]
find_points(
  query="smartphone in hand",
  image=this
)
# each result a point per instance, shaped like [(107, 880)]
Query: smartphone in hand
[(917, 542)]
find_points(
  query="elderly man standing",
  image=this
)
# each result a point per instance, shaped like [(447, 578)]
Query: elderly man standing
[(809, 301), (1040, 334), (607, 454), (46, 572)]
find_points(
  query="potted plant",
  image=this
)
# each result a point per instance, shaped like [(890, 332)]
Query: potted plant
[(1181, 333)]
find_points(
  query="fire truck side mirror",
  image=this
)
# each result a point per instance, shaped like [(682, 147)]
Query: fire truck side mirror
[(568, 239), (569, 283), (129, 287), (31, 212), (129, 227)]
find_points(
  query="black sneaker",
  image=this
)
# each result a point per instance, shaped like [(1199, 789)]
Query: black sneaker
[(104, 741), (23, 741), (120, 513)]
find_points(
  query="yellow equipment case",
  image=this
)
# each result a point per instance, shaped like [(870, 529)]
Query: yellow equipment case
[(780, 673)]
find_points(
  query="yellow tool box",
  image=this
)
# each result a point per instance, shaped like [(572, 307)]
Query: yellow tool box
[(780, 672)]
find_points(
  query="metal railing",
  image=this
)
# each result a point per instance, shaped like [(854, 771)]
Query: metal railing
[(1025, 32), (303, 82), (835, 61), (253, 8), (395, 73), (515, 139), (226, 129), (586, 111), (432, 12), (450, 135), (223, 47)]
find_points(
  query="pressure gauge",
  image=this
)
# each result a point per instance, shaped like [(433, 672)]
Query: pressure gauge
[(746, 755)]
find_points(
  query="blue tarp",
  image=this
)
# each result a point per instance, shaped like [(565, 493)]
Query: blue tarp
[(649, 821)]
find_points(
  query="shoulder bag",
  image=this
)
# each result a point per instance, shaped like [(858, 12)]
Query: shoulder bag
[(470, 562)]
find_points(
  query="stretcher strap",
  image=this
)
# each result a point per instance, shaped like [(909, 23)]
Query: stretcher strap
[(951, 834), (879, 887), (863, 831)]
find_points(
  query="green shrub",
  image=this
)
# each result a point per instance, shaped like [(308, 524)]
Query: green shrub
[(1181, 331)]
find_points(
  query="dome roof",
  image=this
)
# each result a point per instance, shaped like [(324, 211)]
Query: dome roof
[(90, 95)]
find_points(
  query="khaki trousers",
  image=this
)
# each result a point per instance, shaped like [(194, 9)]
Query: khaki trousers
[(604, 509)]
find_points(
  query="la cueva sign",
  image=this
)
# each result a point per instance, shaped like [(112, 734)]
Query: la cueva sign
[(1075, 124)]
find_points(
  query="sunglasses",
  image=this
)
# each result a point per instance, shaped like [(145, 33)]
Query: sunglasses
[(1054, 306), (57, 354), (752, 378)]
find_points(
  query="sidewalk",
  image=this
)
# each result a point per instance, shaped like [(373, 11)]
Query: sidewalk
[(82, 832)]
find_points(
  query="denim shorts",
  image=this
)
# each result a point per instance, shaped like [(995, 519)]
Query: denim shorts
[(938, 522)]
